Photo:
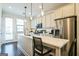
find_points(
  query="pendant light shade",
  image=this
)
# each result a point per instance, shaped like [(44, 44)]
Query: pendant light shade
[(31, 12), (42, 11)]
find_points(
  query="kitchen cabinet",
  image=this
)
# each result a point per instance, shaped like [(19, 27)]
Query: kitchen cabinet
[(33, 23), (43, 21), (58, 13), (68, 10), (52, 20), (25, 44), (27, 27), (48, 21), (38, 20), (55, 15)]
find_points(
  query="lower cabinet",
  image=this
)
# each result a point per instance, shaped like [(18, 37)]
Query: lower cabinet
[(25, 45), (28, 46)]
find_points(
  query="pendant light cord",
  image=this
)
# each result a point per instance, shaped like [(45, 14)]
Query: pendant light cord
[(31, 9), (25, 11), (42, 6)]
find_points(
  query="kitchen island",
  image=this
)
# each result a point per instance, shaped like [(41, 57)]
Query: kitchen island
[(26, 44)]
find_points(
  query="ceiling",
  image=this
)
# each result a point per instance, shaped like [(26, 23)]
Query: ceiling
[(18, 8)]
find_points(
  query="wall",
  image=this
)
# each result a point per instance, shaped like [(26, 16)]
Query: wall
[(0, 25), (0, 16)]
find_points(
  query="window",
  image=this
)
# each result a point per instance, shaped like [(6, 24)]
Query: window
[(20, 25), (8, 28)]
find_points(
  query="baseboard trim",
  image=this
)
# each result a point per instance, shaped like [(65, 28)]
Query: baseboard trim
[(8, 41), (24, 52)]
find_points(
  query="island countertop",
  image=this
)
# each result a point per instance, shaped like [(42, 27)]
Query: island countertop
[(51, 40), (26, 43)]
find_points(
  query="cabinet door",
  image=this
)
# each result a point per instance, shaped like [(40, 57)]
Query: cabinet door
[(58, 13), (33, 23), (52, 20), (69, 10), (48, 21), (28, 26), (28, 45), (43, 21), (38, 20)]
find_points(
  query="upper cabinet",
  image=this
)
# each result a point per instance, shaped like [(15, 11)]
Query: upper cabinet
[(52, 20), (68, 10), (33, 23), (39, 20), (48, 21), (58, 13), (43, 22), (77, 8)]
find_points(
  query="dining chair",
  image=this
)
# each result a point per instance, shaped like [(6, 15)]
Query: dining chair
[(39, 48)]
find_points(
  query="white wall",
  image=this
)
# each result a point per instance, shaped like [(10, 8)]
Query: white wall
[(0, 16), (0, 24)]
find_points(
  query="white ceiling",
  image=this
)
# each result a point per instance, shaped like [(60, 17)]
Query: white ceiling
[(18, 8)]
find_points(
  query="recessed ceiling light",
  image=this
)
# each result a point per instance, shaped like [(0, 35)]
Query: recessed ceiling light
[(10, 7)]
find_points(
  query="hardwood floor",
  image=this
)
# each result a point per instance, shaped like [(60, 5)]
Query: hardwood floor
[(11, 49)]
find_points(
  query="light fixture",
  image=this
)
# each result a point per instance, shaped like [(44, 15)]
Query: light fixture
[(25, 12), (31, 12), (42, 11)]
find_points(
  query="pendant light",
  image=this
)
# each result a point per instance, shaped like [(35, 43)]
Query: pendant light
[(31, 12), (42, 11), (25, 7), (25, 12)]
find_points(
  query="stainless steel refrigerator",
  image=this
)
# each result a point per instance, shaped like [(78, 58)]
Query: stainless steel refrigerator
[(68, 30)]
